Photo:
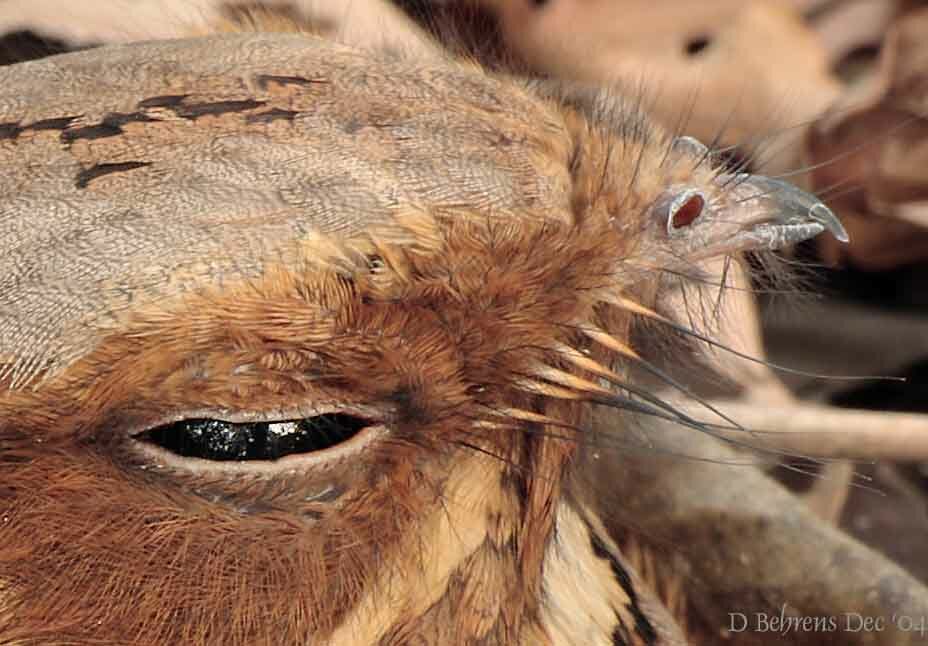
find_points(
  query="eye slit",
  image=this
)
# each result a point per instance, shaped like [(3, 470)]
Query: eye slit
[(684, 210), (222, 441)]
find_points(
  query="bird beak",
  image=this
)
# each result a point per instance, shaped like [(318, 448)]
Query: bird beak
[(778, 213), (745, 213)]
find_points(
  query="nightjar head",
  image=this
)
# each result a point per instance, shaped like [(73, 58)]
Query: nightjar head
[(298, 344)]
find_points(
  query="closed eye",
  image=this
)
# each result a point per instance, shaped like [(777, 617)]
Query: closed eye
[(224, 441)]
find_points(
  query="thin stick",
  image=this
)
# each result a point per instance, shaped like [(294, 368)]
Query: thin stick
[(825, 432)]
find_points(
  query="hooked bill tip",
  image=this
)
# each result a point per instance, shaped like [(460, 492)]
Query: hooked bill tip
[(789, 201), (826, 217)]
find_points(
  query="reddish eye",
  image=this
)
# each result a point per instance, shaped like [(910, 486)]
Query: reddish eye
[(685, 211)]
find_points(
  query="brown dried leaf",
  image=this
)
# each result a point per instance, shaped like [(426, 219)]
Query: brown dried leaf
[(761, 69), (882, 144), (853, 24), (750, 548), (366, 23)]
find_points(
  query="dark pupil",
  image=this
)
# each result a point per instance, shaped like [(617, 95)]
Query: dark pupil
[(213, 439)]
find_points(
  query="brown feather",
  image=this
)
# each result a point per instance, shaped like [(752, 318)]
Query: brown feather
[(258, 223)]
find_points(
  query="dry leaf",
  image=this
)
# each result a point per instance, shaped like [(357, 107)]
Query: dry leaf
[(853, 24), (735, 68), (750, 548), (881, 144), (367, 23)]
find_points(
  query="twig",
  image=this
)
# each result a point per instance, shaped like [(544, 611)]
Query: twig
[(824, 432)]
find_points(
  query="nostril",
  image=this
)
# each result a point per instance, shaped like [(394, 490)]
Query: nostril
[(677, 208), (684, 210)]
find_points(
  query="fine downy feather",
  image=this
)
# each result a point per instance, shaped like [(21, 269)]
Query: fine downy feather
[(278, 226)]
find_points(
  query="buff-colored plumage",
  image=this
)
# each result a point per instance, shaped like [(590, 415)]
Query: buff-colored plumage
[(279, 225)]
